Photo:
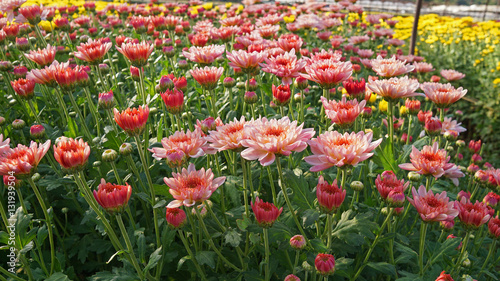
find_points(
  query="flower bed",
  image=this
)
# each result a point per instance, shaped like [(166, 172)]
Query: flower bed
[(258, 142)]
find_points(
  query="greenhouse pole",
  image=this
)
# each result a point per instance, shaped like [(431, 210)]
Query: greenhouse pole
[(414, 32)]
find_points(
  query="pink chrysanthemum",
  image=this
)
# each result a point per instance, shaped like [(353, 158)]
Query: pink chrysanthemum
[(113, 197), (132, 120), (451, 75), (472, 215), (265, 213), (93, 51), (328, 73), (136, 53), (432, 161), (190, 143), (432, 207), (343, 113), (266, 138), (442, 94), (22, 160), (422, 67), (335, 149), (208, 76), (247, 62), (191, 186), (390, 67), (387, 182), (71, 154), (204, 55), (228, 136), (4, 145), (42, 57), (330, 196), (395, 88), (285, 66)]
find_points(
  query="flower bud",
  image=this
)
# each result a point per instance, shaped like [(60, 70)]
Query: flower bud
[(2, 120), (325, 264), (134, 72), (6, 66), (433, 126), (166, 83), (250, 97), (36, 177), (450, 135), (491, 199), (473, 168), (106, 100), (176, 218), (301, 83), (175, 158), (463, 194), (367, 112), (476, 158), (240, 85), (126, 149), (460, 143), (414, 176), (109, 155), (104, 68), (112, 197), (229, 82), (18, 124), (252, 84), (22, 44), (357, 186), (413, 106), (37, 132), (182, 64), (298, 242), (281, 94)]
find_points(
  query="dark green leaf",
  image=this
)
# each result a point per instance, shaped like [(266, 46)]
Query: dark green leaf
[(206, 257), (383, 267), (58, 276), (232, 238), (153, 260)]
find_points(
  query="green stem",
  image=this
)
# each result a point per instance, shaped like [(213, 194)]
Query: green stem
[(289, 204), (297, 257), (93, 110), (490, 253), (266, 245), (390, 114), (82, 119), (211, 242), (190, 252), (462, 252), (271, 181), (49, 224), (329, 231), (129, 246), (423, 232), (115, 171), (410, 117), (245, 186), (32, 107)]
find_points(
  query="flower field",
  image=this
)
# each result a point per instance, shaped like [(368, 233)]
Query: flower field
[(198, 141)]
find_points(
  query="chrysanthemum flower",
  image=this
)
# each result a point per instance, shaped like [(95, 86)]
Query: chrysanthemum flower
[(494, 227), (472, 215), (8, 6), (285, 66), (24, 87), (330, 196), (443, 95), (387, 182), (191, 143), (289, 42), (22, 160), (228, 136), (204, 55), (444, 277), (266, 138), (422, 67), (432, 207), (432, 161), (93, 51), (112, 197), (395, 88), (451, 75), (450, 125), (207, 77), (71, 154), (42, 57), (343, 113), (191, 186), (176, 217), (390, 67), (136, 53), (132, 120), (335, 149), (4, 145), (265, 213), (247, 62), (328, 73), (325, 264)]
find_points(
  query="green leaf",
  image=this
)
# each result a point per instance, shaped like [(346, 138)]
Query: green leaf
[(448, 248), (141, 245), (182, 261), (160, 204), (232, 238), (42, 234), (161, 189), (206, 257), (153, 260), (302, 195), (58, 276), (383, 267), (243, 223), (353, 231), (309, 217), (407, 254), (318, 245)]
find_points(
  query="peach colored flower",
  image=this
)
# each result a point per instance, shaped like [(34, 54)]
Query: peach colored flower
[(266, 138), (422, 67), (71, 154), (21, 160), (269, 20), (248, 62), (228, 136), (473, 215), (325, 55), (451, 75), (358, 39), (265, 213), (335, 149), (231, 21), (136, 53), (450, 125), (365, 53), (432, 161), (191, 186), (208, 76), (93, 51), (112, 197), (432, 207), (390, 67), (190, 143), (42, 57), (387, 182), (4, 145), (395, 88), (285, 66), (132, 120), (289, 42), (343, 113), (328, 73), (442, 94), (8, 7), (204, 55)]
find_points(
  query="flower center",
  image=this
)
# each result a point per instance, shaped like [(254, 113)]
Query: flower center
[(193, 183), (433, 202), (274, 132)]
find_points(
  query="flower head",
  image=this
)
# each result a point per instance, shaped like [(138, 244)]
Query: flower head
[(298, 242), (325, 264), (432, 207), (432, 161), (191, 186), (23, 87), (132, 120), (285, 66), (281, 94), (387, 182), (343, 113), (494, 227), (228, 136), (93, 51), (330, 196), (390, 67), (395, 88), (442, 95), (204, 55), (174, 101), (112, 197), (268, 138), (444, 277), (71, 154), (21, 160), (190, 143), (335, 149), (136, 53), (328, 72), (42, 57), (451, 75), (207, 77), (176, 217), (472, 215), (265, 213), (246, 61)]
